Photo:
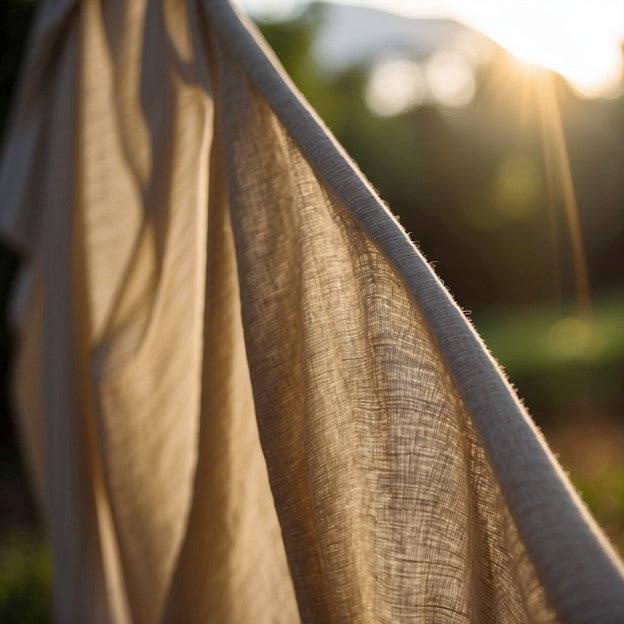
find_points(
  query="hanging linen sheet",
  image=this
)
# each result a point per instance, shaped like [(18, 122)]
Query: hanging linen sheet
[(243, 395)]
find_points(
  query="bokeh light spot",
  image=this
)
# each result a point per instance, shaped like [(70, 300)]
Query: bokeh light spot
[(450, 79), (395, 87)]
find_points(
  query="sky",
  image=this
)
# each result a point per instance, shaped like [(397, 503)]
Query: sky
[(580, 39)]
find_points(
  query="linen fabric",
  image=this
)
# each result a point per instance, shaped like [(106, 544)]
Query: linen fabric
[(243, 395)]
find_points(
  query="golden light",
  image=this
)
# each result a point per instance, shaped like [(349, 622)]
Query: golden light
[(582, 41), (561, 187), (579, 40)]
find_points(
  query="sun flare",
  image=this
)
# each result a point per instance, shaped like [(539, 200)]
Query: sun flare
[(579, 40)]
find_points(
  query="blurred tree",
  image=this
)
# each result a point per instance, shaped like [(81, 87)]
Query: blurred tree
[(470, 184)]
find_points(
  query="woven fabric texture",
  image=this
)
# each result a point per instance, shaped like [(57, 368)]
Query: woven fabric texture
[(242, 393)]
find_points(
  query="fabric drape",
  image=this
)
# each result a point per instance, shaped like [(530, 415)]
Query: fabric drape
[(242, 393)]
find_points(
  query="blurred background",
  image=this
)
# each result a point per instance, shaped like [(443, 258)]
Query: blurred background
[(495, 132)]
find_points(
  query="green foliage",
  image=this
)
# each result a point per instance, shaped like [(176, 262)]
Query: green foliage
[(604, 495), (536, 339), (292, 42), (561, 361), (25, 579)]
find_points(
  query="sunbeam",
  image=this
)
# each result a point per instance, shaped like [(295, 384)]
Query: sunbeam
[(560, 187)]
